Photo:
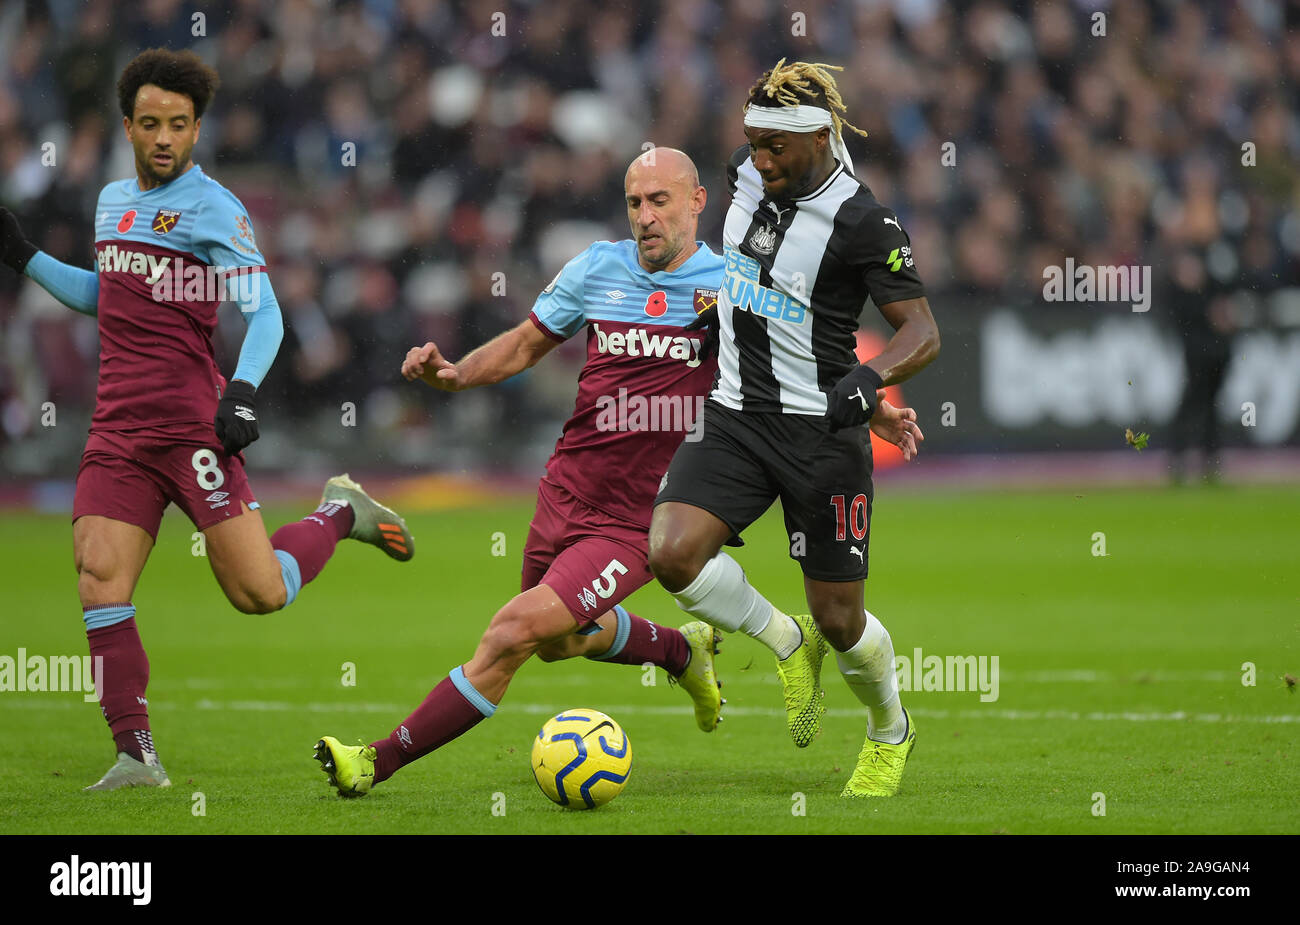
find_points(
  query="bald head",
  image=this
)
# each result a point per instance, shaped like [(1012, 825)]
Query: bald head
[(664, 202), (668, 164)]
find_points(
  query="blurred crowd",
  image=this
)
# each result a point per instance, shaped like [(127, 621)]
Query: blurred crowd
[(419, 169)]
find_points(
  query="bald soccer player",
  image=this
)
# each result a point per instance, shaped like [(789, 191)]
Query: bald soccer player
[(638, 395)]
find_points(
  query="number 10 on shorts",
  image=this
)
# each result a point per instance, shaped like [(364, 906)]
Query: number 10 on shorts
[(856, 519)]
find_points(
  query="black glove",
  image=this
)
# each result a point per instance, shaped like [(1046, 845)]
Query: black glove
[(236, 420), (15, 250), (853, 400), (707, 319)]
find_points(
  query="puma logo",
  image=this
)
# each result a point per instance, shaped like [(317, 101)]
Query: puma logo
[(857, 552), (858, 395), (891, 221)]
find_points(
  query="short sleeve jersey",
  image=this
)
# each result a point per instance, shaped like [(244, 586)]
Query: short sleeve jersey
[(166, 259), (642, 387), (798, 273)]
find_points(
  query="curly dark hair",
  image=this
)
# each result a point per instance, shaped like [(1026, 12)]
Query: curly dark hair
[(176, 71)]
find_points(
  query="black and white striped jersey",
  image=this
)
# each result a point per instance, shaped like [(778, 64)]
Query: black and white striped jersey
[(798, 273)]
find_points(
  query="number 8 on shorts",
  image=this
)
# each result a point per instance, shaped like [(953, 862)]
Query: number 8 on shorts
[(208, 473)]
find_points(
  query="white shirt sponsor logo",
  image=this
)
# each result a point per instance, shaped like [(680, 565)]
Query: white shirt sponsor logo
[(114, 259), (638, 342)]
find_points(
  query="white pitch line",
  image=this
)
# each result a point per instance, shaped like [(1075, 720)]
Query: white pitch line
[(1112, 677), (545, 709), (1046, 676)]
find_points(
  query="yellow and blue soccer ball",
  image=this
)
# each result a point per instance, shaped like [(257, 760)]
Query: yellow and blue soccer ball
[(581, 759)]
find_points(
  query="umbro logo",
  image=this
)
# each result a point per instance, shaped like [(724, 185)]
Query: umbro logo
[(405, 735), (588, 599), (217, 496), (244, 413), (616, 294)]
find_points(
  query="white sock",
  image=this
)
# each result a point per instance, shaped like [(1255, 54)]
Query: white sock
[(781, 634), (720, 596), (868, 667)]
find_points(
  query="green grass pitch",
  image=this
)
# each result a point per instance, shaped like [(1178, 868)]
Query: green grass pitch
[(1120, 675)]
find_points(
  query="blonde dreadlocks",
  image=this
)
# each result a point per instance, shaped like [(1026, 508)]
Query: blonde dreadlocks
[(801, 82)]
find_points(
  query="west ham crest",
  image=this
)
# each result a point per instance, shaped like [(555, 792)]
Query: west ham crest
[(705, 299), (165, 220)]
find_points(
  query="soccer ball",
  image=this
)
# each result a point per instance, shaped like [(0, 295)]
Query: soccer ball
[(581, 759)]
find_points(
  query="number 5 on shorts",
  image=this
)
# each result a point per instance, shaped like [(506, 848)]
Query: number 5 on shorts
[(605, 588), (208, 473)]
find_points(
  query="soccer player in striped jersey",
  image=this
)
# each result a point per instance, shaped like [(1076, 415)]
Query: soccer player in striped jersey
[(639, 391), (171, 245), (805, 244)]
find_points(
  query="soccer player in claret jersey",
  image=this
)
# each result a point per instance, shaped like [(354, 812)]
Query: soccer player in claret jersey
[(167, 427), (805, 244), (638, 301)]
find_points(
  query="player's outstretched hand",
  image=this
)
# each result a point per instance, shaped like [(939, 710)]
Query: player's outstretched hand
[(15, 249), (428, 364), (236, 420), (897, 426)]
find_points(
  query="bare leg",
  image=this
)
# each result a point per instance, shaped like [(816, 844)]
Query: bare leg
[(245, 564)]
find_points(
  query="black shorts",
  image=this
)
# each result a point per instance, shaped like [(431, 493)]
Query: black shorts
[(746, 460)]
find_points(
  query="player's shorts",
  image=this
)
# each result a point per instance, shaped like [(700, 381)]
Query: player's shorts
[(745, 461), (133, 480), (591, 560)]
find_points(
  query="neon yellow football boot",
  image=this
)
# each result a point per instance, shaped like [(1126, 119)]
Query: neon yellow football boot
[(880, 766), (700, 679), (801, 681), (371, 522), (350, 768)]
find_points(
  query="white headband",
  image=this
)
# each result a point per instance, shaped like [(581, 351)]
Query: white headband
[(799, 119)]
